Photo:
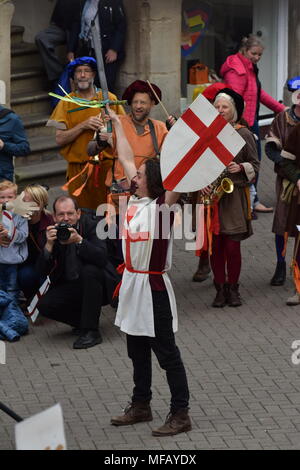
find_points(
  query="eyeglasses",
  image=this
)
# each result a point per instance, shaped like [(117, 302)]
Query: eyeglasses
[(81, 71)]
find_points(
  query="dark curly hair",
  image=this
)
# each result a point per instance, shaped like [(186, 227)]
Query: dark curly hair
[(154, 181)]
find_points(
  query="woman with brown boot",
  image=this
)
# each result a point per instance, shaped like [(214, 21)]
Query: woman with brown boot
[(234, 208)]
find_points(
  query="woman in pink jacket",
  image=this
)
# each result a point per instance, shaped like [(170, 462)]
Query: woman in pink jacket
[(241, 73)]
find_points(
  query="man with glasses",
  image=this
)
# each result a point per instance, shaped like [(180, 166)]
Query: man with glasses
[(75, 129)]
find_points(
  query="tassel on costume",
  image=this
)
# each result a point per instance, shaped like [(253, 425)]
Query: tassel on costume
[(92, 164)]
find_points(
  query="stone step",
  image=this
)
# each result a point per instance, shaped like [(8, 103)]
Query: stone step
[(43, 149), (27, 79), (35, 125), (31, 103), (24, 54), (16, 34), (51, 173)]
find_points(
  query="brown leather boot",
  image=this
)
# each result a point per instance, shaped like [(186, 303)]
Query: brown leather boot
[(234, 298), (203, 270), (175, 423), (220, 299), (135, 412)]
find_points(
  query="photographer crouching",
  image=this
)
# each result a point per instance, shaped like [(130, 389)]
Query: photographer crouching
[(82, 277)]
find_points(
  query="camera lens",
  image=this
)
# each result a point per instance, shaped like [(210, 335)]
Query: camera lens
[(63, 233)]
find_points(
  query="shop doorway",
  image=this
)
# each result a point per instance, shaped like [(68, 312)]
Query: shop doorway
[(212, 30)]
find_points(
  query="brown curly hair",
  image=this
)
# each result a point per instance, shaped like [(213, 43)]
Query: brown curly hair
[(154, 180)]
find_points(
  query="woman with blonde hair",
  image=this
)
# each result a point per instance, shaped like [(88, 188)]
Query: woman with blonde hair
[(28, 279), (240, 71)]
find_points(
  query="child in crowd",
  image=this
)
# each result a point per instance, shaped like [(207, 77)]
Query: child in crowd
[(13, 244)]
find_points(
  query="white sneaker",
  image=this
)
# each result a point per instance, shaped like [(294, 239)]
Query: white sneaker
[(294, 299)]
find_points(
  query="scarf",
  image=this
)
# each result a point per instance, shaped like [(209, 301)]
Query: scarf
[(88, 14)]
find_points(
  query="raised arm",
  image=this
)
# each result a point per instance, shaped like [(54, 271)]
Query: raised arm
[(124, 150)]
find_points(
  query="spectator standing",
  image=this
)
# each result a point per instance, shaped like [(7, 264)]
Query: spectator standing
[(63, 29), (240, 71), (13, 142), (112, 24), (276, 140)]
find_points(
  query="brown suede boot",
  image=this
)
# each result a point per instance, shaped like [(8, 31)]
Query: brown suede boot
[(175, 423), (234, 298), (203, 270), (220, 299), (135, 412)]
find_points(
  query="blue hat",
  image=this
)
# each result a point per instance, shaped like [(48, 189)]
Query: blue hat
[(86, 60), (293, 84)]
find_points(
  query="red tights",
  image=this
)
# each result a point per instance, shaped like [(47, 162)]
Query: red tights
[(226, 253)]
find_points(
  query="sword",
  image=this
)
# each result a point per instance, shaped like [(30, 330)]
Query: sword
[(97, 46)]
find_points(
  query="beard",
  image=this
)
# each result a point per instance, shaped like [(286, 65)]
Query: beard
[(83, 85), (141, 116)]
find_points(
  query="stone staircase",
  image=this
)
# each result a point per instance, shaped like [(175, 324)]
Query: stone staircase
[(31, 102)]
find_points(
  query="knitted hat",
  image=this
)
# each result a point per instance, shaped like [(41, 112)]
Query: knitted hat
[(85, 60), (237, 100), (139, 86)]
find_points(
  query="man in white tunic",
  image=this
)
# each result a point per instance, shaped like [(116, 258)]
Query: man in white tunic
[(147, 306)]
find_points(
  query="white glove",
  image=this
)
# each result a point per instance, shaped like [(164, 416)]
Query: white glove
[(18, 206)]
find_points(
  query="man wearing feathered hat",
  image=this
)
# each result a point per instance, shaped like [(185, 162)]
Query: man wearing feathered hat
[(276, 140), (75, 129)]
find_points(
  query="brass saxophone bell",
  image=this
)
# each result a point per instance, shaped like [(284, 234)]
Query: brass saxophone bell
[(226, 186)]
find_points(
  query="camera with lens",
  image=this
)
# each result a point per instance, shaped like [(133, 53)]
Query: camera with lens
[(63, 232)]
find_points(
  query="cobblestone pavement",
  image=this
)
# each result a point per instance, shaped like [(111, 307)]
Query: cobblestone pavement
[(245, 390)]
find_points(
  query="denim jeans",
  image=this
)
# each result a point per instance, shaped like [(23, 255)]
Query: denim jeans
[(8, 280), (29, 280), (168, 355)]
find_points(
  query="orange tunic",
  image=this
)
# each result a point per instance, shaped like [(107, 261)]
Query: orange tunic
[(142, 145), (76, 152)]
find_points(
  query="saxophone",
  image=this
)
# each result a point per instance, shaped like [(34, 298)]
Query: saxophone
[(222, 185)]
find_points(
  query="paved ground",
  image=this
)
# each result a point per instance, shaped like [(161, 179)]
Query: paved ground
[(245, 390)]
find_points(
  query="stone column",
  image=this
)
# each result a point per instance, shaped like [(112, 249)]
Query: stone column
[(153, 49), (6, 13)]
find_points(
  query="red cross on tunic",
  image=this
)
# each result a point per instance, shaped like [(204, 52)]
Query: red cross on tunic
[(208, 139), (132, 237)]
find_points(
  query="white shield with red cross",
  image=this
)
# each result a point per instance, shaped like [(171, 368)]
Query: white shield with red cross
[(198, 148)]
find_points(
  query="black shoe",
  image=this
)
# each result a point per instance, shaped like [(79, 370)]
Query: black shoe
[(220, 299), (88, 339), (280, 274)]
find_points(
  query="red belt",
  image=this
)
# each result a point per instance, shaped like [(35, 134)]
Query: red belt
[(121, 269)]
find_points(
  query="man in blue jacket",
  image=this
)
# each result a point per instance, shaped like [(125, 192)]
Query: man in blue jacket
[(13, 142)]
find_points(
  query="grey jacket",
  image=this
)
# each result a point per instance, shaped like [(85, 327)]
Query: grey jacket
[(17, 251)]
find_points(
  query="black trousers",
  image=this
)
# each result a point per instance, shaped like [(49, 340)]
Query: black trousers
[(168, 355), (111, 69), (76, 303)]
